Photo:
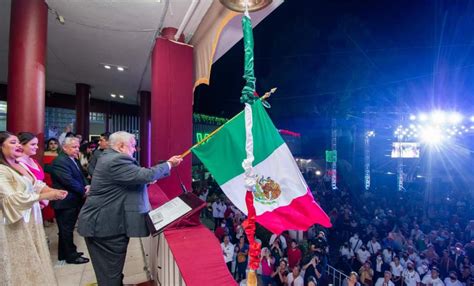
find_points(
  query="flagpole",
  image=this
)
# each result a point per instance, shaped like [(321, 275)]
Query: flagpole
[(186, 153)]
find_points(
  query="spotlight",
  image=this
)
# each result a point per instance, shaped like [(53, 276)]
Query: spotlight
[(431, 136), (318, 173), (121, 96), (455, 118), (423, 117), (120, 69), (107, 67), (412, 117), (438, 117), (113, 95)]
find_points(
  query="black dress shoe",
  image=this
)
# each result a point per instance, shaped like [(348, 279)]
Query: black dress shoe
[(78, 260)]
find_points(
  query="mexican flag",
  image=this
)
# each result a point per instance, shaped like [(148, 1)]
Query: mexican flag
[(282, 199)]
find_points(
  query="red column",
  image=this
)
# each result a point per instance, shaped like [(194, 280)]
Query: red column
[(145, 121), (26, 68), (82, 109), (172, 111)]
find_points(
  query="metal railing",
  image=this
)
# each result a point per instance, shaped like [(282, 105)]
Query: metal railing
[(335, 276)]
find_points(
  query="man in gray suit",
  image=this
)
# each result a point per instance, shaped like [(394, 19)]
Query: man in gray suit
[(117, 205)]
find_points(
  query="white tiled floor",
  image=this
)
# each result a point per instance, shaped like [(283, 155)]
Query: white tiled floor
[(83, 274)]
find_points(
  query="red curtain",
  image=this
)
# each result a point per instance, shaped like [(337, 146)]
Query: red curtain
[(199, 256), (171, 114)]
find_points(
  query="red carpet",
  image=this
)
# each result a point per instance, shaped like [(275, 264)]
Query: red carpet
[(199, 256)]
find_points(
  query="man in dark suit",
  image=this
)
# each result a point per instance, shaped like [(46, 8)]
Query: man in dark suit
[(117, 205), (67, 175), (103, 145)]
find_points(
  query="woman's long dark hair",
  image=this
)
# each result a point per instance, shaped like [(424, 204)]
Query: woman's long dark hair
[(4, 135), (52, 139), (25, 137)]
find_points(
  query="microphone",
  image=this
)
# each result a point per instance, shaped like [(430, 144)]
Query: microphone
[(183, 187)]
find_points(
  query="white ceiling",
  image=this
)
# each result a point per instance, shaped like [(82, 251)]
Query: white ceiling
[(119, 32)]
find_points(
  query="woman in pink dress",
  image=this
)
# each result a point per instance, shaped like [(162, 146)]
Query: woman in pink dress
[(29, 143)]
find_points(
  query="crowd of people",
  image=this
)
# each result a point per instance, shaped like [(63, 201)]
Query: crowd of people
[(389, 238)]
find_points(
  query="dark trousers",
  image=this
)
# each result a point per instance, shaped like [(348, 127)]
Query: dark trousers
[(66, 220), (241, 267), (108, 258)]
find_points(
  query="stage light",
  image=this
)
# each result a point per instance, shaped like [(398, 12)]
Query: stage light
[(318, 173), (472, 118), (438, 117), (412, 117), (107, 67), (121, 96), (422, 117), (113, 95), (431, 135), (455, 118), (120, 69)]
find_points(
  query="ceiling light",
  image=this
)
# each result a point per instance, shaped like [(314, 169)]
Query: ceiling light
[(107, 67), (113, 95), (121, 96), (120, 69)]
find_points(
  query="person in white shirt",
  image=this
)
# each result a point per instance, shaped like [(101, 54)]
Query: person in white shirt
[(433, 279), (218, 208), (281, 238), (355, 242), (388, 255), (294, 278), (452, 280), (422, 269), (346, 252), (385, 280), (203, 194), (373, 246), (396, 268), (228, 252), (416, 233), (363, 255), (410, 277)]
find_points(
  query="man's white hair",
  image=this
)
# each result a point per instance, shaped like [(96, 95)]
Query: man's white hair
[(120, 137), (70, 140)]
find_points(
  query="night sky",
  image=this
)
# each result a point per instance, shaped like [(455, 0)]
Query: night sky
[(339, 58)]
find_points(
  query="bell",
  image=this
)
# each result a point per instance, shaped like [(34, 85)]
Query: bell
[(239, 5)]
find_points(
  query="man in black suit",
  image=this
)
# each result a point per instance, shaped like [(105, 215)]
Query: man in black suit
[(67, 175), (117, 206), (103, 144)]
